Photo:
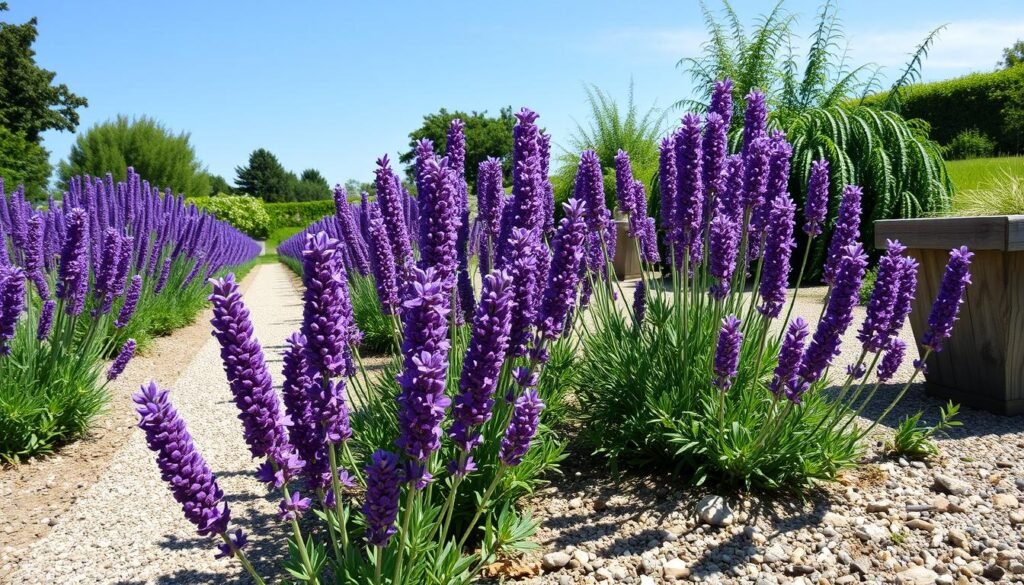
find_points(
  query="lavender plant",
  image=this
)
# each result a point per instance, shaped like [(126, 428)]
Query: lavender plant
[(705, 369), (414, 473), (90, 279)]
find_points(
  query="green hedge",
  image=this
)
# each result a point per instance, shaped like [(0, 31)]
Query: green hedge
[(300, 213), (249, 214), (982, 101)]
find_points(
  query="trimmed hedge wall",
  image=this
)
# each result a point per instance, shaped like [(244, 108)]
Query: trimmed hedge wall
[(300, 213), (248, 214), (978, 101)]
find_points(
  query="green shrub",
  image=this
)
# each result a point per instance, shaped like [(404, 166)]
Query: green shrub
[(868, 285), (969, 144), (299, 213), (915, 441), (23, 162), (154, 151), (248, 214), (988, 102)]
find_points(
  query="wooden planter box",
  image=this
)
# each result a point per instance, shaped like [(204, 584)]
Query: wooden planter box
[(982, 364), (627, 260)]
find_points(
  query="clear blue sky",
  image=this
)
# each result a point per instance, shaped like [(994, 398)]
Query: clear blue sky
[(333, 85)]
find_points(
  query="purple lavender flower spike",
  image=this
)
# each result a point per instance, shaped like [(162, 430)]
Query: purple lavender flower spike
[(756, 168), (564, 274), (73, 277), (816, 206), (326, 313), (639, 303), (349, 231), (382, 261), (731, 197), (12, 304), (715, 151), (892, 359), (689, 204), (522, 428), (181, 466), (490, 196), (755, 119), (424, 152), (624, 184), (523, 270), (439, 221), (334, 410), (35, 264), (527, 204), (667, 173), (790, 354), (305, 432), (778, 249), (589, 188), (951, 295), (875, 332), (845, 233), (384, 480), (392, 209), (727, 353), (246, 370), (838, 315), (131, 301), (164, 273), (722, 241), (778, 180), (905, 296), (122, 359), (422, 402), (484, 358), (721, 101), (46, 319), (238, 541)]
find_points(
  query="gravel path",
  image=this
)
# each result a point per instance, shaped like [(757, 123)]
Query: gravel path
[(126, 529)]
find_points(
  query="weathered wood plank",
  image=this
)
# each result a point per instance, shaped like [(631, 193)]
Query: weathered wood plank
[(977, 233), (984, 311), (1015, 326)]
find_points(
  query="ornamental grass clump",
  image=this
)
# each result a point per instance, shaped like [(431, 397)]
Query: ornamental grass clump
[(414, 472), (705, 370), (87, 280)]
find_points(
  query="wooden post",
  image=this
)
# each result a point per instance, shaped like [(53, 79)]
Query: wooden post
[(982, 364), (627, 260)]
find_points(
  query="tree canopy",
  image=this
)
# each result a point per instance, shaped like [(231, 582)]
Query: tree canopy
[(1013, 55), (30, 103), (160, 156), (265, 177), (23, 163), (485, 136)]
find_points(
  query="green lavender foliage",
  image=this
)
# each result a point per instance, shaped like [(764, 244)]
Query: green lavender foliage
[(900, 168), (914, 440)]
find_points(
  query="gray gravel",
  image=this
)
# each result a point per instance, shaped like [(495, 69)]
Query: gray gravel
[(126, 528)]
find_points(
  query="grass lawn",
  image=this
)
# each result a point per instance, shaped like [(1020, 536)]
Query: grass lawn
[(974, 173), (279, 235)]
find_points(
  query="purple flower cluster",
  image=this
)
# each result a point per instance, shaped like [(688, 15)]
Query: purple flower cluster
[(790, 355), (778, 248), (327, 321), (490, 194), (382, 261), (181, 466), (305, 432), (12, 304), (564, 275), (727, 352), (951, 295), (122, 359), (384, 478), (488, 345), (689, 204), (721, 101), (816, 206), (522, 428), (392, 209), (845, 233), (589, 188), (723, 239), (439, 220), (881, 324), (354, 243), (246, 370)]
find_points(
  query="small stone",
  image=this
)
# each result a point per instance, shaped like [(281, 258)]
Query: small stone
[(797, 570), (959, 539), (715, 511), (944, 580), (675, 569), (575, 503), (1019, 482), (1016, 517), (917, 576), (774, 554), (554, 561), (870, 532), (879, 506), (919, 524), (1016, 567), (950, 485), (618, 573), (646, 580), (993, 572), (837, 520), (1004, 501), (940, 504), (581, 556), (565, 580), (604, 574)]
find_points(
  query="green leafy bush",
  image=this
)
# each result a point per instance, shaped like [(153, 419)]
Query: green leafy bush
[(971, 143), (23, 162), (299, 213), (915, 441), (988, 102), (155, 152), (248, 214)]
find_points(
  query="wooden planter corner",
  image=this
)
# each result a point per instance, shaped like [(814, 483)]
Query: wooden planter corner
[(627, 259), (982, 364)]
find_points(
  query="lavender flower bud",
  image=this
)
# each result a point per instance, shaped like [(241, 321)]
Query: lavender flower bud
[(181, 466), (589, 188), (838, 314), (46, 319), (689, 204), (305, 432), (755, 119), (490, 195), (639, 303), (522, 428), (164, 273), (384, 480), (667, 179), (790, 354), (904, 297), (727, 353), (439, 221), (73, 276), (715, 150), (723, 240), (756, 167), (12, 304), (778, 248), (293, 507), (522, 267), (131, 301), (392, 209), (947, 303), (246, 370), (349, 232), (35, 260), (122, 359), (484, 358), (383, 262), (422, 402), (327, 310), (892, 359), (816, 206), (721, 100), (875, 332), (845, 233), (624, 184), (564, 274)]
